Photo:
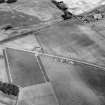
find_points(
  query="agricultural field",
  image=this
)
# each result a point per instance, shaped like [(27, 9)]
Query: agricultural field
[(46, 59)]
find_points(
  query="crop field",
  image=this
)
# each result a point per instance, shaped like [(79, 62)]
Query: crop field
[(46, 60), (75, 83)]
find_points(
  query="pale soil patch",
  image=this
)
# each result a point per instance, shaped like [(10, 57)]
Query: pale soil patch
[(80, 6)]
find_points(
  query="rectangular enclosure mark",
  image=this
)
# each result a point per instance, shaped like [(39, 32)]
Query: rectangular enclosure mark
[(23, 68)]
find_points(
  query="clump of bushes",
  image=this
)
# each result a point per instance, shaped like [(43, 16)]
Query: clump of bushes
[(2, 1), (11, 1), (9, 89), (62, 6), (93, 16), (8, 1)]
